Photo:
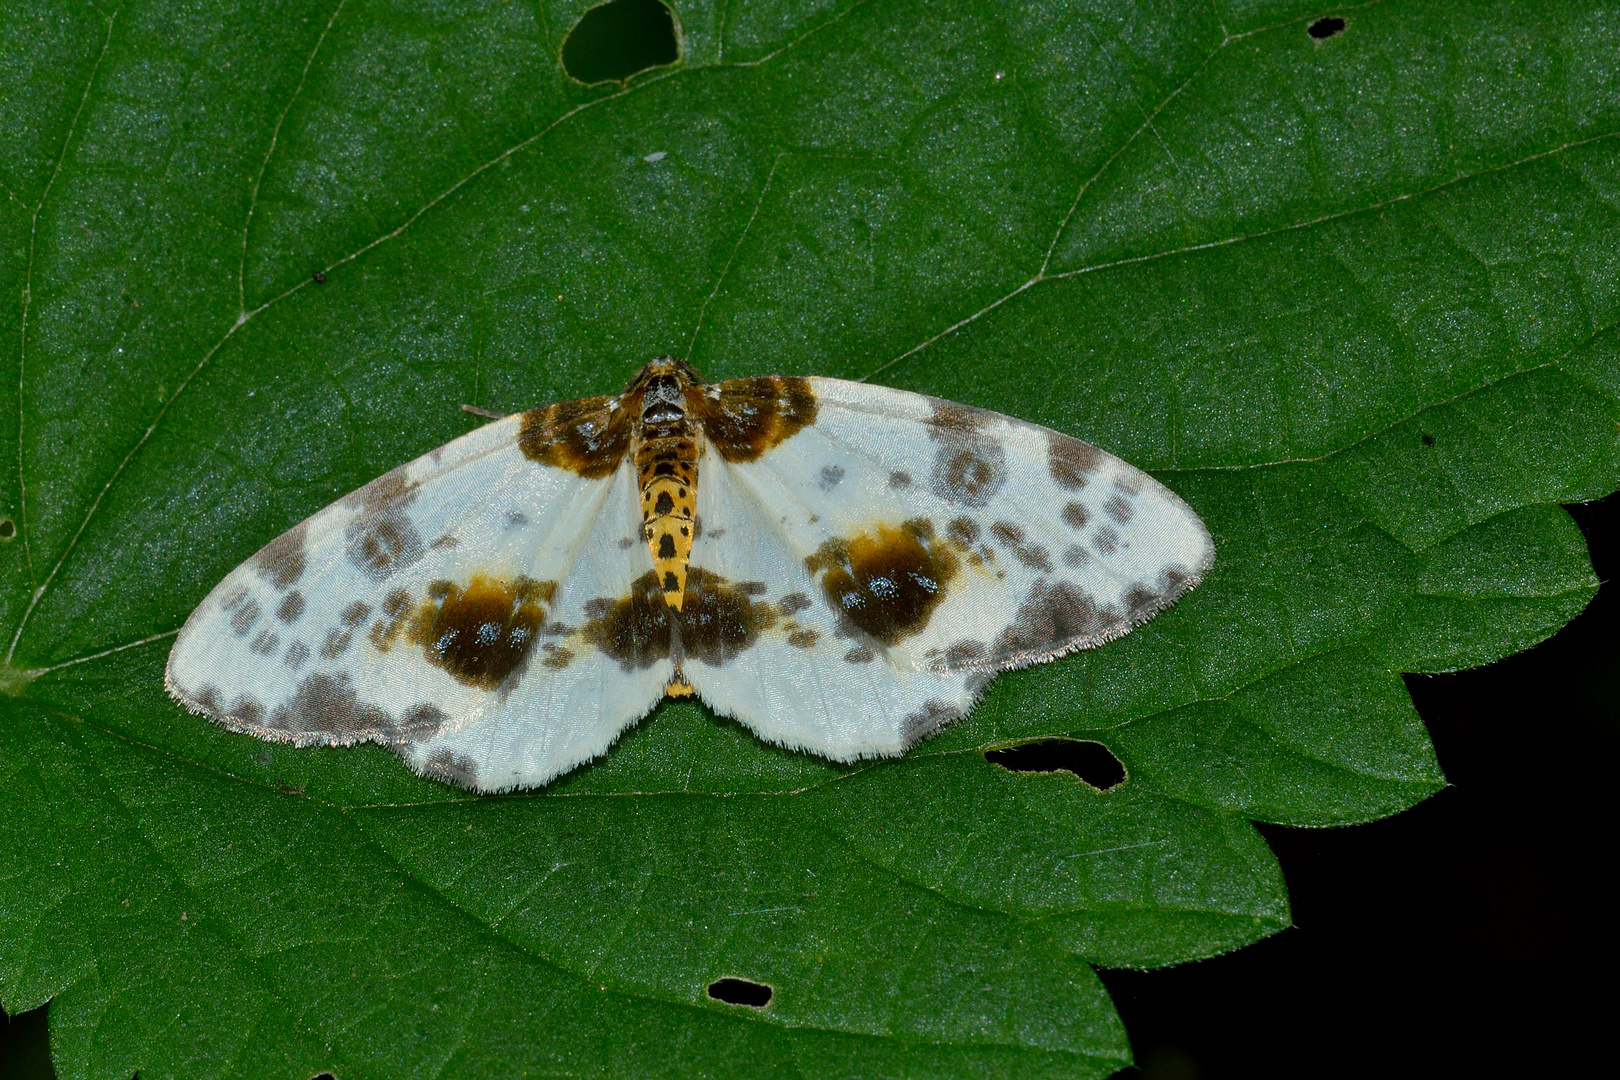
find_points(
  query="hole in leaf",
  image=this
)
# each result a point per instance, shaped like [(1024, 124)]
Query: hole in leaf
[(613, 41), (1090, 761), (8, 528), (1322, 29), (1428, 440), (740, 992)]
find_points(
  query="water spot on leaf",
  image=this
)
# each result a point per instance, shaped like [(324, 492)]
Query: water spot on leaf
[(741, 992), (1322, 29), (1090, 761), (615, 40)]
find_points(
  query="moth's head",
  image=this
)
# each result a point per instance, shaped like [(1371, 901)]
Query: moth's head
[(663, 366)]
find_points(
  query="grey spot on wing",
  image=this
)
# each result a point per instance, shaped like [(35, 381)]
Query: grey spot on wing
[(297, 653), (803, 639), (246, 711), (1118, 509), (899, 479), (281, 562), (626, 543), (1105, 541), (383, 545), (1130, 484), (831, 477), (356, 613), (265, 643), (963, 531), (327, 707), (245, 612), (336, 643), (965, 653), (792, 602), (1075, 555), (1075, 516), (950, 416), (1141, 601), (860, 654), (752, 588), (1055, 617), (516, 519), (291, 607), (933, 715), (1070, 461), (445, 541), (459, 769), (381, 540), (1032, 555), (969, 466), (209, 701), (421, 722)]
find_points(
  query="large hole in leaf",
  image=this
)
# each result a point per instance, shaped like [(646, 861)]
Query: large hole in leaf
[(740, 992), (8, 528), (1090, 761), (1322, 29), (613, 41)]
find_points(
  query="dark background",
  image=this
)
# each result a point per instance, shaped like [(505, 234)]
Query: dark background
[(1469, 936)]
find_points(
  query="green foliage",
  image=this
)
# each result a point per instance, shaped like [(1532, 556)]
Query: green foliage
[(1355, 299)]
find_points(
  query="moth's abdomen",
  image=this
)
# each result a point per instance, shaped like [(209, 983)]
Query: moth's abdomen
[(667, 471)]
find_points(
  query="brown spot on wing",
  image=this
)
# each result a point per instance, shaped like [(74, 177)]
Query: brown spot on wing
[(1070, 461), (969, 466), (281, 562), (933, 715), (718, 620), (481, 633), (587, 436), (888, 580), (746, 417), (291, 607), (381, 540), (396, 609), (949, 416), (327, 705), (451, 767), (1031, 555), (1055, 616)]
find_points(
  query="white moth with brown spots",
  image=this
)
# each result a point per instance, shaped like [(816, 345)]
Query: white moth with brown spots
[(841, 567)]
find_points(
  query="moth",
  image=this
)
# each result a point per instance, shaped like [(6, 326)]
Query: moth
[(841, 567)]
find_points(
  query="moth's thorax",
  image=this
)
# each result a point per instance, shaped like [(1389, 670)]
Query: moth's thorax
[(665, 445)]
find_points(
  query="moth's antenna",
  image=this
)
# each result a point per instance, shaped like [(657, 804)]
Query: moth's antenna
[(476, 411)]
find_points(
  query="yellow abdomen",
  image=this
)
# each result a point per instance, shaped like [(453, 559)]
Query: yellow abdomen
[(666, 469)]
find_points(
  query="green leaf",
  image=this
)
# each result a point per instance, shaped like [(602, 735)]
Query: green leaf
[(1354, 298)]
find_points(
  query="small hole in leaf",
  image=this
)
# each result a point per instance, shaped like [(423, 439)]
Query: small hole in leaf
[(1090, 761), (1428, 440), (613, 41), (318, 277), (740, 992), (1322, 29), (8, 528), (323, 1076)]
